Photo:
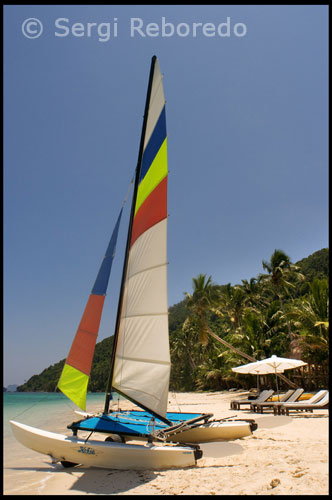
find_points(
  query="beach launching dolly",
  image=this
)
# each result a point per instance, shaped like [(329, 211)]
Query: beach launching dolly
[(140, 358)]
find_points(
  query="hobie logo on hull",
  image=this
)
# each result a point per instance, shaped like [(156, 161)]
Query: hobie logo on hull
[(87, 450)]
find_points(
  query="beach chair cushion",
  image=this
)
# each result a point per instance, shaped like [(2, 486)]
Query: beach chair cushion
[(323, 402)]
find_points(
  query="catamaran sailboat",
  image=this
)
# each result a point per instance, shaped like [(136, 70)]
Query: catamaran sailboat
[(140, 359)]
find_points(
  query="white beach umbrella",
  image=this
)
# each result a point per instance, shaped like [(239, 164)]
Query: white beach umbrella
[(274, 364), (254, 369)]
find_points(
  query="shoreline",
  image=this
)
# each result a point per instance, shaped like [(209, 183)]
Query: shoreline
[(289, 459)]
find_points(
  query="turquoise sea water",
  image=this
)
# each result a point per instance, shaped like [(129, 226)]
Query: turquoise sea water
[(40, 408)]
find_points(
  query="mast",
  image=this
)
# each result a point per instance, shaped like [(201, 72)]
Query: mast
[(132, 213)]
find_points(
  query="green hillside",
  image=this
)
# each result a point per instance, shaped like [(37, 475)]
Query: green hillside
[(316, 265)]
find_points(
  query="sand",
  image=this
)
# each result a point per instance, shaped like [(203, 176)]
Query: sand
[(290, 459)]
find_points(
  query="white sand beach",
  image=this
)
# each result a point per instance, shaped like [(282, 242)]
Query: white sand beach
[(290, 459)]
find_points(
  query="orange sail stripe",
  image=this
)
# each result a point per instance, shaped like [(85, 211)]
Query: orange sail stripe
[(82, 349), (152, 211)]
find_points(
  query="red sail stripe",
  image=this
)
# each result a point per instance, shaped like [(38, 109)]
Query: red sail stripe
[(152, 211), (82, 349)]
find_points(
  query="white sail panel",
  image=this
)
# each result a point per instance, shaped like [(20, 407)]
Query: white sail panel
[(146, 293), (156, 380), (149, 250), (157, 102), (139, 341), (142, 365)]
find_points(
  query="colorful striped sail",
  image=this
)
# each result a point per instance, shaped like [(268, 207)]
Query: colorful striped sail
[(142, 358), (75, 375)]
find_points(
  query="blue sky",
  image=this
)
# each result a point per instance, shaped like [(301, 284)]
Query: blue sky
[(247, 148)]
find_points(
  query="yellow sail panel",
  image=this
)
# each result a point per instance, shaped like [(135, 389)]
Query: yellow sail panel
[(156, 173), (74, 385)]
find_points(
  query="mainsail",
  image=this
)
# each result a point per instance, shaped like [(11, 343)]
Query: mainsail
[(76, 371), (141, 359)]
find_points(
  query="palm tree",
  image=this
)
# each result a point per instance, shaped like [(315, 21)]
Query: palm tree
[(310, 318), (232, 301), (205, 298), (254, 294), (281, 273), (252, 335), (184, 365), (199, 303)]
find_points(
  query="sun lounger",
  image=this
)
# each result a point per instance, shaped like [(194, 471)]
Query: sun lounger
[(257, 404), (290, 397), (264, 395), (318, 402)]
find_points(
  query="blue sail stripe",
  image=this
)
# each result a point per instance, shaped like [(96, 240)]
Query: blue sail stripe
[(101, 283), (157, 138)]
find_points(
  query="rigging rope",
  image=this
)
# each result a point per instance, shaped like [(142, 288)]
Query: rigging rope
[(126, 197)]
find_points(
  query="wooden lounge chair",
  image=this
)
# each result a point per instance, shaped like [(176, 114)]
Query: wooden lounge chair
[(255, 404), (264, 395), (289, 397), (318, 402)]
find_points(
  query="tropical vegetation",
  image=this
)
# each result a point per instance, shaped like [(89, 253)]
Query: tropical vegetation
[(283, 311)]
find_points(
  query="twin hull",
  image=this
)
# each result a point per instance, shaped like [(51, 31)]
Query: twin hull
[(213, 431), (105, 454), (205, 433)]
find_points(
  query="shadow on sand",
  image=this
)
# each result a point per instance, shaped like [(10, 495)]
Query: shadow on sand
[(111, 481), (93, 480), (104, 481)]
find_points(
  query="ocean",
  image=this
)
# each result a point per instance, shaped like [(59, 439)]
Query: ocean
[(37, 408), (26, 471)]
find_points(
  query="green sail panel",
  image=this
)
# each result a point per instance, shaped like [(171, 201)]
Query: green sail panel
[(74, 384)]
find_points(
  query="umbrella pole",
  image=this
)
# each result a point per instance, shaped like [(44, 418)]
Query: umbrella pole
[(277, 383), (257, 382)]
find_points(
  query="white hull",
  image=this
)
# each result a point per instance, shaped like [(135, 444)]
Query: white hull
[(214, 431), (205, 433), (105, 454)]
